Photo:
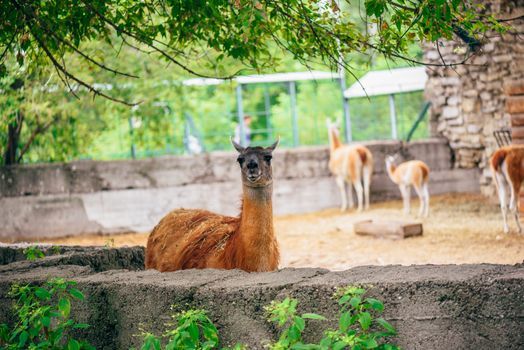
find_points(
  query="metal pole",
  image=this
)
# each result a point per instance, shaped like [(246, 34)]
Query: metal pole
[(293, 97), (133, 148), (267, 107), (240, 115), (393, 116), (347, 116)]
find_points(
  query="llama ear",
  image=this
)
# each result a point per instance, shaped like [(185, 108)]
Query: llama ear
[(239, 148), (273, 146)]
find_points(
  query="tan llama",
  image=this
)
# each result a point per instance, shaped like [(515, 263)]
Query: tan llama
[(507, 165), (352, 164), (411, 173), (195, 238)]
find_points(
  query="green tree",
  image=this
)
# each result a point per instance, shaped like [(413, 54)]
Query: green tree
[(55, 53), (43, 32)]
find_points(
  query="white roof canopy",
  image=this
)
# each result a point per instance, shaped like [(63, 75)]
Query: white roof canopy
[(266, 78), (386, 82), (283, 77)]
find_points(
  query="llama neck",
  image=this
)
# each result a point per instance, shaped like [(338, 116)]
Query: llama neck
[(256, 233), (334, 141), (391, 171)]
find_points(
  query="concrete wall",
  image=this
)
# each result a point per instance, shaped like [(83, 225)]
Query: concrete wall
[(432, 307), (468, 100), (103, 197)]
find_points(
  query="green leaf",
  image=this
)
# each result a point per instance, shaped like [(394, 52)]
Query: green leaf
[(355, 301), (22, 339), (344, 321), (364, 319), (42, 293), (46, 321), (313, 316), (64, 305), (386, 325), (375, 304), (73, 345), (344, 299), (81, 325), (339, 345), (76, 294), (300, 323), (369, 343), (193, 331), (294, 334), (302, 346)]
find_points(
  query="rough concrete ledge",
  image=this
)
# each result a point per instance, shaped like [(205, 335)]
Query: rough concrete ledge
[(432, 307), (12, 257)]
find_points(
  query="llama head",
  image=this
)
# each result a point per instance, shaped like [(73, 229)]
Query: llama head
[(332, 126), (390, 159), (255, 164)]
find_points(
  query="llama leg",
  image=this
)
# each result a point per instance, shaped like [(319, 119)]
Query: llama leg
[(350, 195), (501, 188), (420, 194), (366, 173), (358, 188), (514, 189), (514, 205), (342, 187), (425, 193), (404, 191)]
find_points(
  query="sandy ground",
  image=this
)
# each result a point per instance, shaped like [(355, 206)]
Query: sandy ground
[(461, 229)]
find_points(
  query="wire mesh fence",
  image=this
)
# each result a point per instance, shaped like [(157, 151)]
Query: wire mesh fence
[(204, 119)]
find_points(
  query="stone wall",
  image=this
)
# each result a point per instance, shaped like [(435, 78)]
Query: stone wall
[(432, 307), (51, 200), (468, 100)]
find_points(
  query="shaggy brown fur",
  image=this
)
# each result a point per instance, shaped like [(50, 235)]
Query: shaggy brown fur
[(195, 238), (507, 166)]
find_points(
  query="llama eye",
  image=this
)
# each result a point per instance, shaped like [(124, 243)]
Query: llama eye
[(268, 158), (240, 160)]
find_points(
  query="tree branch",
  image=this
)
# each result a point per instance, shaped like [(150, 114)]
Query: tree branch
[(157, 49), (44, 27), (39, 130)]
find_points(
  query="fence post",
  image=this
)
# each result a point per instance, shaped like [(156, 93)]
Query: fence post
[(267, 107), (131, 133), (393, 116), (293, 97), (240, 115)]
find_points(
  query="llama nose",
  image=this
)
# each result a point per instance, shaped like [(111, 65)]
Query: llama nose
[(252, 165)]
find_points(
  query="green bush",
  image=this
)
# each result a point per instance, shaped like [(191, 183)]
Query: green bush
[(33, 253), (43, 320), (358, 327)]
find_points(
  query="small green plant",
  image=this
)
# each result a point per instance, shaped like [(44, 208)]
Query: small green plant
[(43, 317), (192, 330), (284, 314), (56, 249), (33, 253), (358, 328), (109, 243)]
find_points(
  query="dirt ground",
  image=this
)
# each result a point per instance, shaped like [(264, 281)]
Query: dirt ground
[(461, 229)]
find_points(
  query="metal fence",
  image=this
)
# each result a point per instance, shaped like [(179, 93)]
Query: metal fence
[(199, 126)]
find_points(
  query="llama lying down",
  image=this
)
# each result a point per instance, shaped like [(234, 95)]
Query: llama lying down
[(195, 238)]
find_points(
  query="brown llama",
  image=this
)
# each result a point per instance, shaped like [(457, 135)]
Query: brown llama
[(411, 173), (195, 238), (507, 166), (351, 163)]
